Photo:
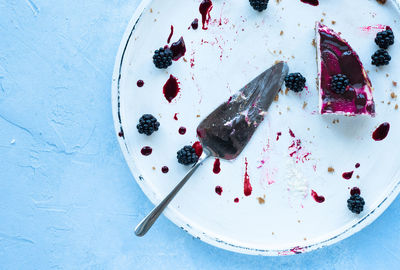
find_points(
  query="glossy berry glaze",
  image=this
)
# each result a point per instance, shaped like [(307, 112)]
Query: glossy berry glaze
[(146, 151), (165, 169), (317, 198), (355, 190), (311, 2), (171, 88), (218, 190), (381, 132), (236, 200), (217, 166), (348, 175), (178, 49), (182, 130), (335, 56), (176, 116), (140, 83), (247, 189), (205, 9)]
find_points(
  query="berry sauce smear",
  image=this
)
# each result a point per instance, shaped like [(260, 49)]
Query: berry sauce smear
[(195, 24), (311, 2), (140, 83), (217, 166), (218, 190), (146, 151), (170, 34), (347, 175), (247, 186), (165, 169), (178, 49), (317, 198), (198, 148), (182, 130), (355, 190), (381, 132), (205, 9), (171, 88)]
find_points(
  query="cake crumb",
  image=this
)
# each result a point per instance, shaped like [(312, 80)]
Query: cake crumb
[(261, 200), (382, 2), (323, 14), (358, 177), (304, 105), (273, 233), (286, 91), (394, 83), (298, 221), (314, 43), (198, 116), (322, 20), (331, 170), (276, 98), (281, 33), (396, 107), (154, 168), (333, 22), (393, 95), (305, 238), (184, 59), (387, 75), (151, 10)]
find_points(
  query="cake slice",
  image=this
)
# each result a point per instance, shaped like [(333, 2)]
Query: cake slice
[(336, 58)]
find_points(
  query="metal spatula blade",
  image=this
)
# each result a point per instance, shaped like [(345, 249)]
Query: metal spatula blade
[(227, 130)]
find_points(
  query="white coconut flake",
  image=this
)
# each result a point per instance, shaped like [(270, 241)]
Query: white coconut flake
[(297, 184)]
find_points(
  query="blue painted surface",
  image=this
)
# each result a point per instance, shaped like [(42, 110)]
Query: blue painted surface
[(67, 199)]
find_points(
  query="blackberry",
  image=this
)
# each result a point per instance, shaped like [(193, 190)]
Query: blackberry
[(259, 5), (295, 82), (162, 58), (384, 39), (339, 83), (147, 124), (380, 58), (187, 155), (356, 203)]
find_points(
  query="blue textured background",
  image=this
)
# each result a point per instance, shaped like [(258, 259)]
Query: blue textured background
[(67, 199)]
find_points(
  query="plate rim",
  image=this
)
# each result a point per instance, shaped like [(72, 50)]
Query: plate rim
[(173, 216)]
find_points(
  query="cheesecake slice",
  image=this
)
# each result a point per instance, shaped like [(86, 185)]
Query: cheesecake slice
[(335, 56)]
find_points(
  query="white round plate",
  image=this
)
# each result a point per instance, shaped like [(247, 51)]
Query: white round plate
[(280, 217)]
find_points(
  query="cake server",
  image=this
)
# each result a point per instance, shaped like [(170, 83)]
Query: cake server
[(226, 131)]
